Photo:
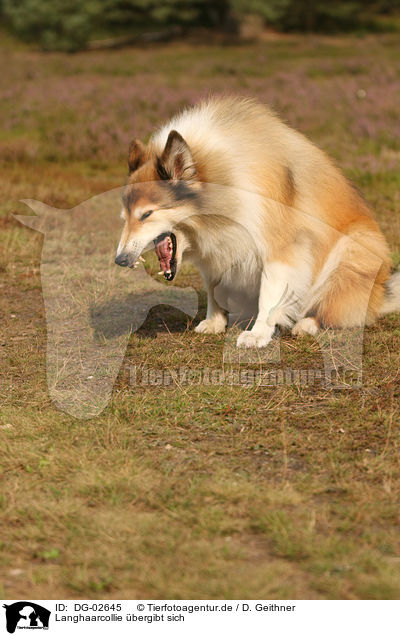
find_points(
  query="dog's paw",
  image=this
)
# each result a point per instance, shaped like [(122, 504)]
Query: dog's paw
[(306, 326), (255, 338), (212, 325)]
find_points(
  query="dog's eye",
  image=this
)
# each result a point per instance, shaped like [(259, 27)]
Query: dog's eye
[(146, 214)]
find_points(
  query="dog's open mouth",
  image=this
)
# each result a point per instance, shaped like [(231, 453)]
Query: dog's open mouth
[(165, 246)]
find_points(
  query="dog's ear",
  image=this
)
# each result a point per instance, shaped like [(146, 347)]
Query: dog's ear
[(176, 162), (136, 156)]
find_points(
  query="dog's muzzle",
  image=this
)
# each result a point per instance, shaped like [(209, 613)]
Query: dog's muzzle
[(129, 257)]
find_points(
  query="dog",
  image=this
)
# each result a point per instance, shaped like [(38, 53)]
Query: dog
[(269, 220)]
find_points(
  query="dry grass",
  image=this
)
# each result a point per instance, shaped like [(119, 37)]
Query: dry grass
[(185, 490)]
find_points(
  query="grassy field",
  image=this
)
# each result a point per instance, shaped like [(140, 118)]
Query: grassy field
[(188, 490)]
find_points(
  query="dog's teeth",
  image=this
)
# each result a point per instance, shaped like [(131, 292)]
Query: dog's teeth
[(141, 259), (160, 273), (168, 271)]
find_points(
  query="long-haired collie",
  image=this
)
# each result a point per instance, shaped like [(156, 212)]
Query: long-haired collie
[(272, 224)]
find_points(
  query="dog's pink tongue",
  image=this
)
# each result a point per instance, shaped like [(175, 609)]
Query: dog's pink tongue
[(163, 253)]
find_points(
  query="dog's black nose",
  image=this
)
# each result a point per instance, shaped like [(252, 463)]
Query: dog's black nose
[(122, 260)]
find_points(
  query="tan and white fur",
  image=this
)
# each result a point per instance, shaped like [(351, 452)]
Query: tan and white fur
[(269, 220)]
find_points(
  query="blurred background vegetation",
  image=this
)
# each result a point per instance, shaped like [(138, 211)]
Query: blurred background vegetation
[(71, 25)]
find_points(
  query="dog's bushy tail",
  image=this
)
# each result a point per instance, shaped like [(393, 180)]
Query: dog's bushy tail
[(391, 300)]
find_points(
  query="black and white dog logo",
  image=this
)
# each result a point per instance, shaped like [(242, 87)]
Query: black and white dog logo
[(26, 615)]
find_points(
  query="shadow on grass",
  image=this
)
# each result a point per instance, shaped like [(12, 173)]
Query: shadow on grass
[(140, 314)]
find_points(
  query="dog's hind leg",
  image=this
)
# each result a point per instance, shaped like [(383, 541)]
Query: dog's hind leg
[(350, 292), (309, 325)]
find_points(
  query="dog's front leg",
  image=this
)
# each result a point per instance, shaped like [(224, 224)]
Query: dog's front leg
[(216, 318), (276, 305)]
